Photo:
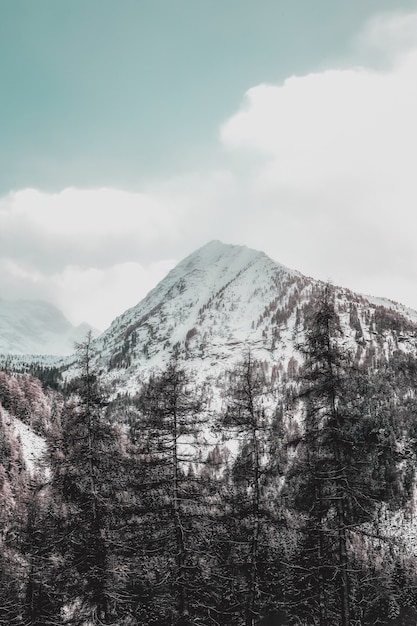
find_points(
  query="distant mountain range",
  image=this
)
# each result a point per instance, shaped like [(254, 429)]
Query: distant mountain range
[(37, 327), (212, 307)]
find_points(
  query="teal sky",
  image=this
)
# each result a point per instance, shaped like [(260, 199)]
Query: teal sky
[(134, 131), (112, 92)]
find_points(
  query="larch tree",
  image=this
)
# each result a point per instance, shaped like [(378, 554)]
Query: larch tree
[(168, 427), (86, 461), (251, 515), (14, 480)]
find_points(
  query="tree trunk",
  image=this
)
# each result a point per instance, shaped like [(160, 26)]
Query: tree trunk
[(183, 603)]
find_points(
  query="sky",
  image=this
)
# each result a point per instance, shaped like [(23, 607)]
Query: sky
[(133, 132)]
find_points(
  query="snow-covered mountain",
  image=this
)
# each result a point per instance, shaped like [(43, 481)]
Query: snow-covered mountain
[(213, 306), (36, 327), (222, 300)]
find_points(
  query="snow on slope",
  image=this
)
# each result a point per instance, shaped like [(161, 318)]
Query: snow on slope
[(216, 304), (222, 300), (33, 446), (394, 306), (213, 305), (36, 327)]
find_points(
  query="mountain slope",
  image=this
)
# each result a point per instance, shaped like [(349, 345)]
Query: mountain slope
[(36, 327), (209, 304), (222, 300), (213, 306)]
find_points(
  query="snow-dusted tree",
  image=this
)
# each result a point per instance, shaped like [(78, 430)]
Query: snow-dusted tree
[(168, 426), (332, 480), (87, 479), (325, 468), (13, 497), (252, 513), (43, 597), (10, 572)]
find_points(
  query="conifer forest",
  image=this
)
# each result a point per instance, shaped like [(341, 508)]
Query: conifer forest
[(287, 503)]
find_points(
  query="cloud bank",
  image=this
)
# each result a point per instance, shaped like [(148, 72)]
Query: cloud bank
[(337, 152), (320, 175), (95, 253)]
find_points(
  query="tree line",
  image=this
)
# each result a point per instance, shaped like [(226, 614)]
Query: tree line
[(273, 510)]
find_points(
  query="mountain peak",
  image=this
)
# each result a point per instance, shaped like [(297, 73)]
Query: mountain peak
[(214, 250), (217, 247), (215, 297), (218, 261)]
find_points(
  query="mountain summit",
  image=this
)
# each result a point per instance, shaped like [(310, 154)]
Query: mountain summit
[(209, 303)]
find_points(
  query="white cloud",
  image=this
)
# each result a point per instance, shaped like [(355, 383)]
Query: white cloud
[(83, 225), (389, 35), (104, 226), (321, 176), (330, 127), (85, 294), (102, 294), (95, 253), (336, 164)]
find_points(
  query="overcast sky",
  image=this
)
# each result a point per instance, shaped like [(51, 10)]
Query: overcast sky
[(134, 131)]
